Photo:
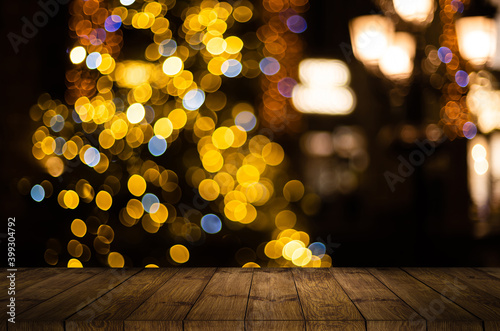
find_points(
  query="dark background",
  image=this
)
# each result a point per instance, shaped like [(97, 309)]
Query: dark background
[(424, 223)]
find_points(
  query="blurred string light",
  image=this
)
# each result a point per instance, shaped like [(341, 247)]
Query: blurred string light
[(282, 48), (323, 88), (123, 119)]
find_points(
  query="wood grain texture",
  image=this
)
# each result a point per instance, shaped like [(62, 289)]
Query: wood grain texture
[(36, 326), (275, 325), (173, 300), (335, 325), (46, 288), (94, 325), (454, 326), (476, 278), (120, 302), (373, 299), (491, 325), (430, 305), (224, 298), (478, 302), (67, 303), (394, 325), (214, 325), (321, 296), (495, 272), (273, 296), (153, 325)]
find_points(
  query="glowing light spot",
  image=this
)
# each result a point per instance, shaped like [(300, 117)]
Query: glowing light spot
[(293, 190), (150, 203), (136, 185), (209, 189), (211, 223), (234, 45), (245, 121), (92, 157), (163, 127), (247, 174), (172, 66), (462, 78), (167, 47), (231, 68), (478, 152), (97, 37), (458, 6), (481, 167), (116, 260), (445, 54), (37, 193), (251, 265), (285, 86), (135, 113), (273, 154), (75, 263), (103, 200), (57, 123), (113, 23), (318, 249), (223, 138), (274, 249), (71, 199), (301, 256), (157, 145), (78, 228), (179, 253), (296, 24), (94, 60), (470, 130), (77, 54), (290, 248), (193, 99), (127, 2), (58, 150), (269, 66), (216, 46)]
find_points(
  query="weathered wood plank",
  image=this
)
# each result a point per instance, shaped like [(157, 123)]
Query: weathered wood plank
[(214, 325), (26, 277), (430, 305), (478, 302), (393, 325), (273, 296), (49, 287), (375, 301), (476, 278), (153, 325), (491, 325), (492, 271), (454, 326), (173, 300), (224, 298), (321, 296), (275, 325), (120, 302), (66, 303), (335, 325)]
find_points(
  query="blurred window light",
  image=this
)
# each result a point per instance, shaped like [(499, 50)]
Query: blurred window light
[(477, 39), (478, 171), (323, 89), (397, 61), (319, 143), (415, 11), (370, 37)]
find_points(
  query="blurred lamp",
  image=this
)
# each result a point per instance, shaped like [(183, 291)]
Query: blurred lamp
[(370, 37), (323, 88), (397, 62), (477, 39), (415, 11)]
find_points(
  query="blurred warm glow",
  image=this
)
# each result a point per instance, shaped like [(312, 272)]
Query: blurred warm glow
[(484, 101), (415, 11), (477, 38), (323, 89), (397, 61), (478, 172), (371, 35)]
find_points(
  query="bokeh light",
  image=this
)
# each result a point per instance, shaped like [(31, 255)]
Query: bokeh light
[(37, 193), (211, 223)]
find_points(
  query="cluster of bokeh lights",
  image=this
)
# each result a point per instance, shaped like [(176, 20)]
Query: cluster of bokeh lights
[(121, 117)]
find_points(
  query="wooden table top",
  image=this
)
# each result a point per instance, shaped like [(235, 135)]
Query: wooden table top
[(255, 299)]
